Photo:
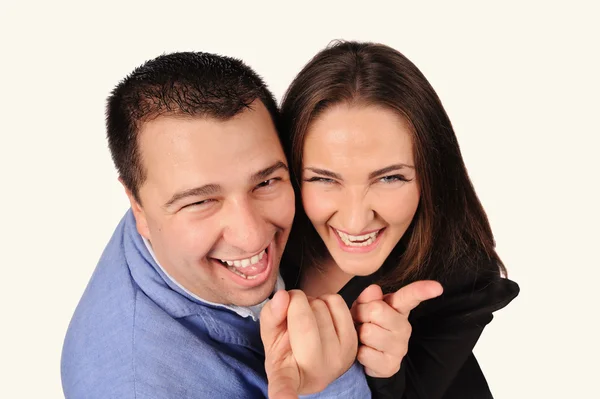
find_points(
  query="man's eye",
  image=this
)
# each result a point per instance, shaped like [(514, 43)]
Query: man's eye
[(267, 183), (199, 203)]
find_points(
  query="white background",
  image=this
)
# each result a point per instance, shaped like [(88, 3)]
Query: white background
[(518, 79)]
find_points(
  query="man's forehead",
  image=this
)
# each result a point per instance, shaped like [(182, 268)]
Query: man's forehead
[(177, 139), (183, 153)]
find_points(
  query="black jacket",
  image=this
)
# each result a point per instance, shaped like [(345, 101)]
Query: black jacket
[(440, 362)]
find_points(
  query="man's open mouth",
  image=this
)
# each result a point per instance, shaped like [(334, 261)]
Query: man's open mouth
[(248, 268)]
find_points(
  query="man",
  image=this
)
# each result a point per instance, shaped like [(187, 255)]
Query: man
[(172, 308)]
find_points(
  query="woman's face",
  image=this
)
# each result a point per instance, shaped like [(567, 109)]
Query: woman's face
[(359, 186)]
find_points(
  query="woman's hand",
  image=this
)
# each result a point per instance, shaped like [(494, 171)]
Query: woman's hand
[(383, 327)]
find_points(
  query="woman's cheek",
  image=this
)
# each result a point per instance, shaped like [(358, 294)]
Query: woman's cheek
[(318, 204)]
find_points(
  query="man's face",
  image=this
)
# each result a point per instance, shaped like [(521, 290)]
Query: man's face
[(217, 204)]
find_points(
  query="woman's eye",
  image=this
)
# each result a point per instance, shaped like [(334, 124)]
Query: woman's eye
[(393, 178), (319, 179)]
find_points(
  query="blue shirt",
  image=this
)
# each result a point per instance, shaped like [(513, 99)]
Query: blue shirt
[(137, 334)]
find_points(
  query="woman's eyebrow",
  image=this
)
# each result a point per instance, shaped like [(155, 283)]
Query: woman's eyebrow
[(388, 169), (325, 172)]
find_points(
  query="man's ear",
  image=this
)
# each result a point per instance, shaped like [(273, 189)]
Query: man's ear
[(138, 212)]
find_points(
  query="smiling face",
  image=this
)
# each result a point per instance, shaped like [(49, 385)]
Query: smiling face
[(217, 204), (359, 186)]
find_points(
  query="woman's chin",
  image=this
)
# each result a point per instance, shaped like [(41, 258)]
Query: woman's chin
[(356, 268)]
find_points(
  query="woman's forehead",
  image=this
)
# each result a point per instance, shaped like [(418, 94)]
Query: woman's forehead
[(366, 134)]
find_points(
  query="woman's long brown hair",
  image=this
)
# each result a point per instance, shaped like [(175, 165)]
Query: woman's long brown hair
[(450, 232)]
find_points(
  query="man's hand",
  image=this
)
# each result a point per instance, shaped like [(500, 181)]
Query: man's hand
[(383, 327), (308, 342)]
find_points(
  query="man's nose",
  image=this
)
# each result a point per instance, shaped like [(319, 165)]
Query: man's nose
[(245, 227)]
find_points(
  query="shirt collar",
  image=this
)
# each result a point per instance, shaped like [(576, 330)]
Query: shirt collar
[(243, 311)]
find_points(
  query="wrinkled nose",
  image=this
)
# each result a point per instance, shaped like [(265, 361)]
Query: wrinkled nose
[(355, 214)]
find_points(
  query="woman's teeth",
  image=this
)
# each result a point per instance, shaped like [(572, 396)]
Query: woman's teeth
[(358, 241)]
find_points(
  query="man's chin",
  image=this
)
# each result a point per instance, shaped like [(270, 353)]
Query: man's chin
[(257, 295)]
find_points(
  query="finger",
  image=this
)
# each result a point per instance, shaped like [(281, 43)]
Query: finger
[(273, 318), (371, 293), (325, 324), (303, 330), (410, 296), (342, 321), (392, 343), (377, 364), (377, 312)]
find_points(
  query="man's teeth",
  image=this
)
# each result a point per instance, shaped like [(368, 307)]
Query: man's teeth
[(358, 241), (245, 262), (239, 273)]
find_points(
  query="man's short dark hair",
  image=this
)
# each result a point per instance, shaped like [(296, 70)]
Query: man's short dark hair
[(192, 84)]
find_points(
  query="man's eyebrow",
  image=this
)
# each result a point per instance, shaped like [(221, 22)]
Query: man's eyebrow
[(266, 172), (325, 172), (208, 189), (388, 169)]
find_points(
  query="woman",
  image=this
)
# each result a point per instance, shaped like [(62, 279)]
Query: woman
[(386, 199)]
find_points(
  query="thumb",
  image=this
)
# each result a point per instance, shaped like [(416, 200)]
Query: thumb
[(370, 294), (273, 318), (410, 296), (273, 325)]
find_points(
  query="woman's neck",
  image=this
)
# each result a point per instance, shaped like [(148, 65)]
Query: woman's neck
[(326, 279)]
